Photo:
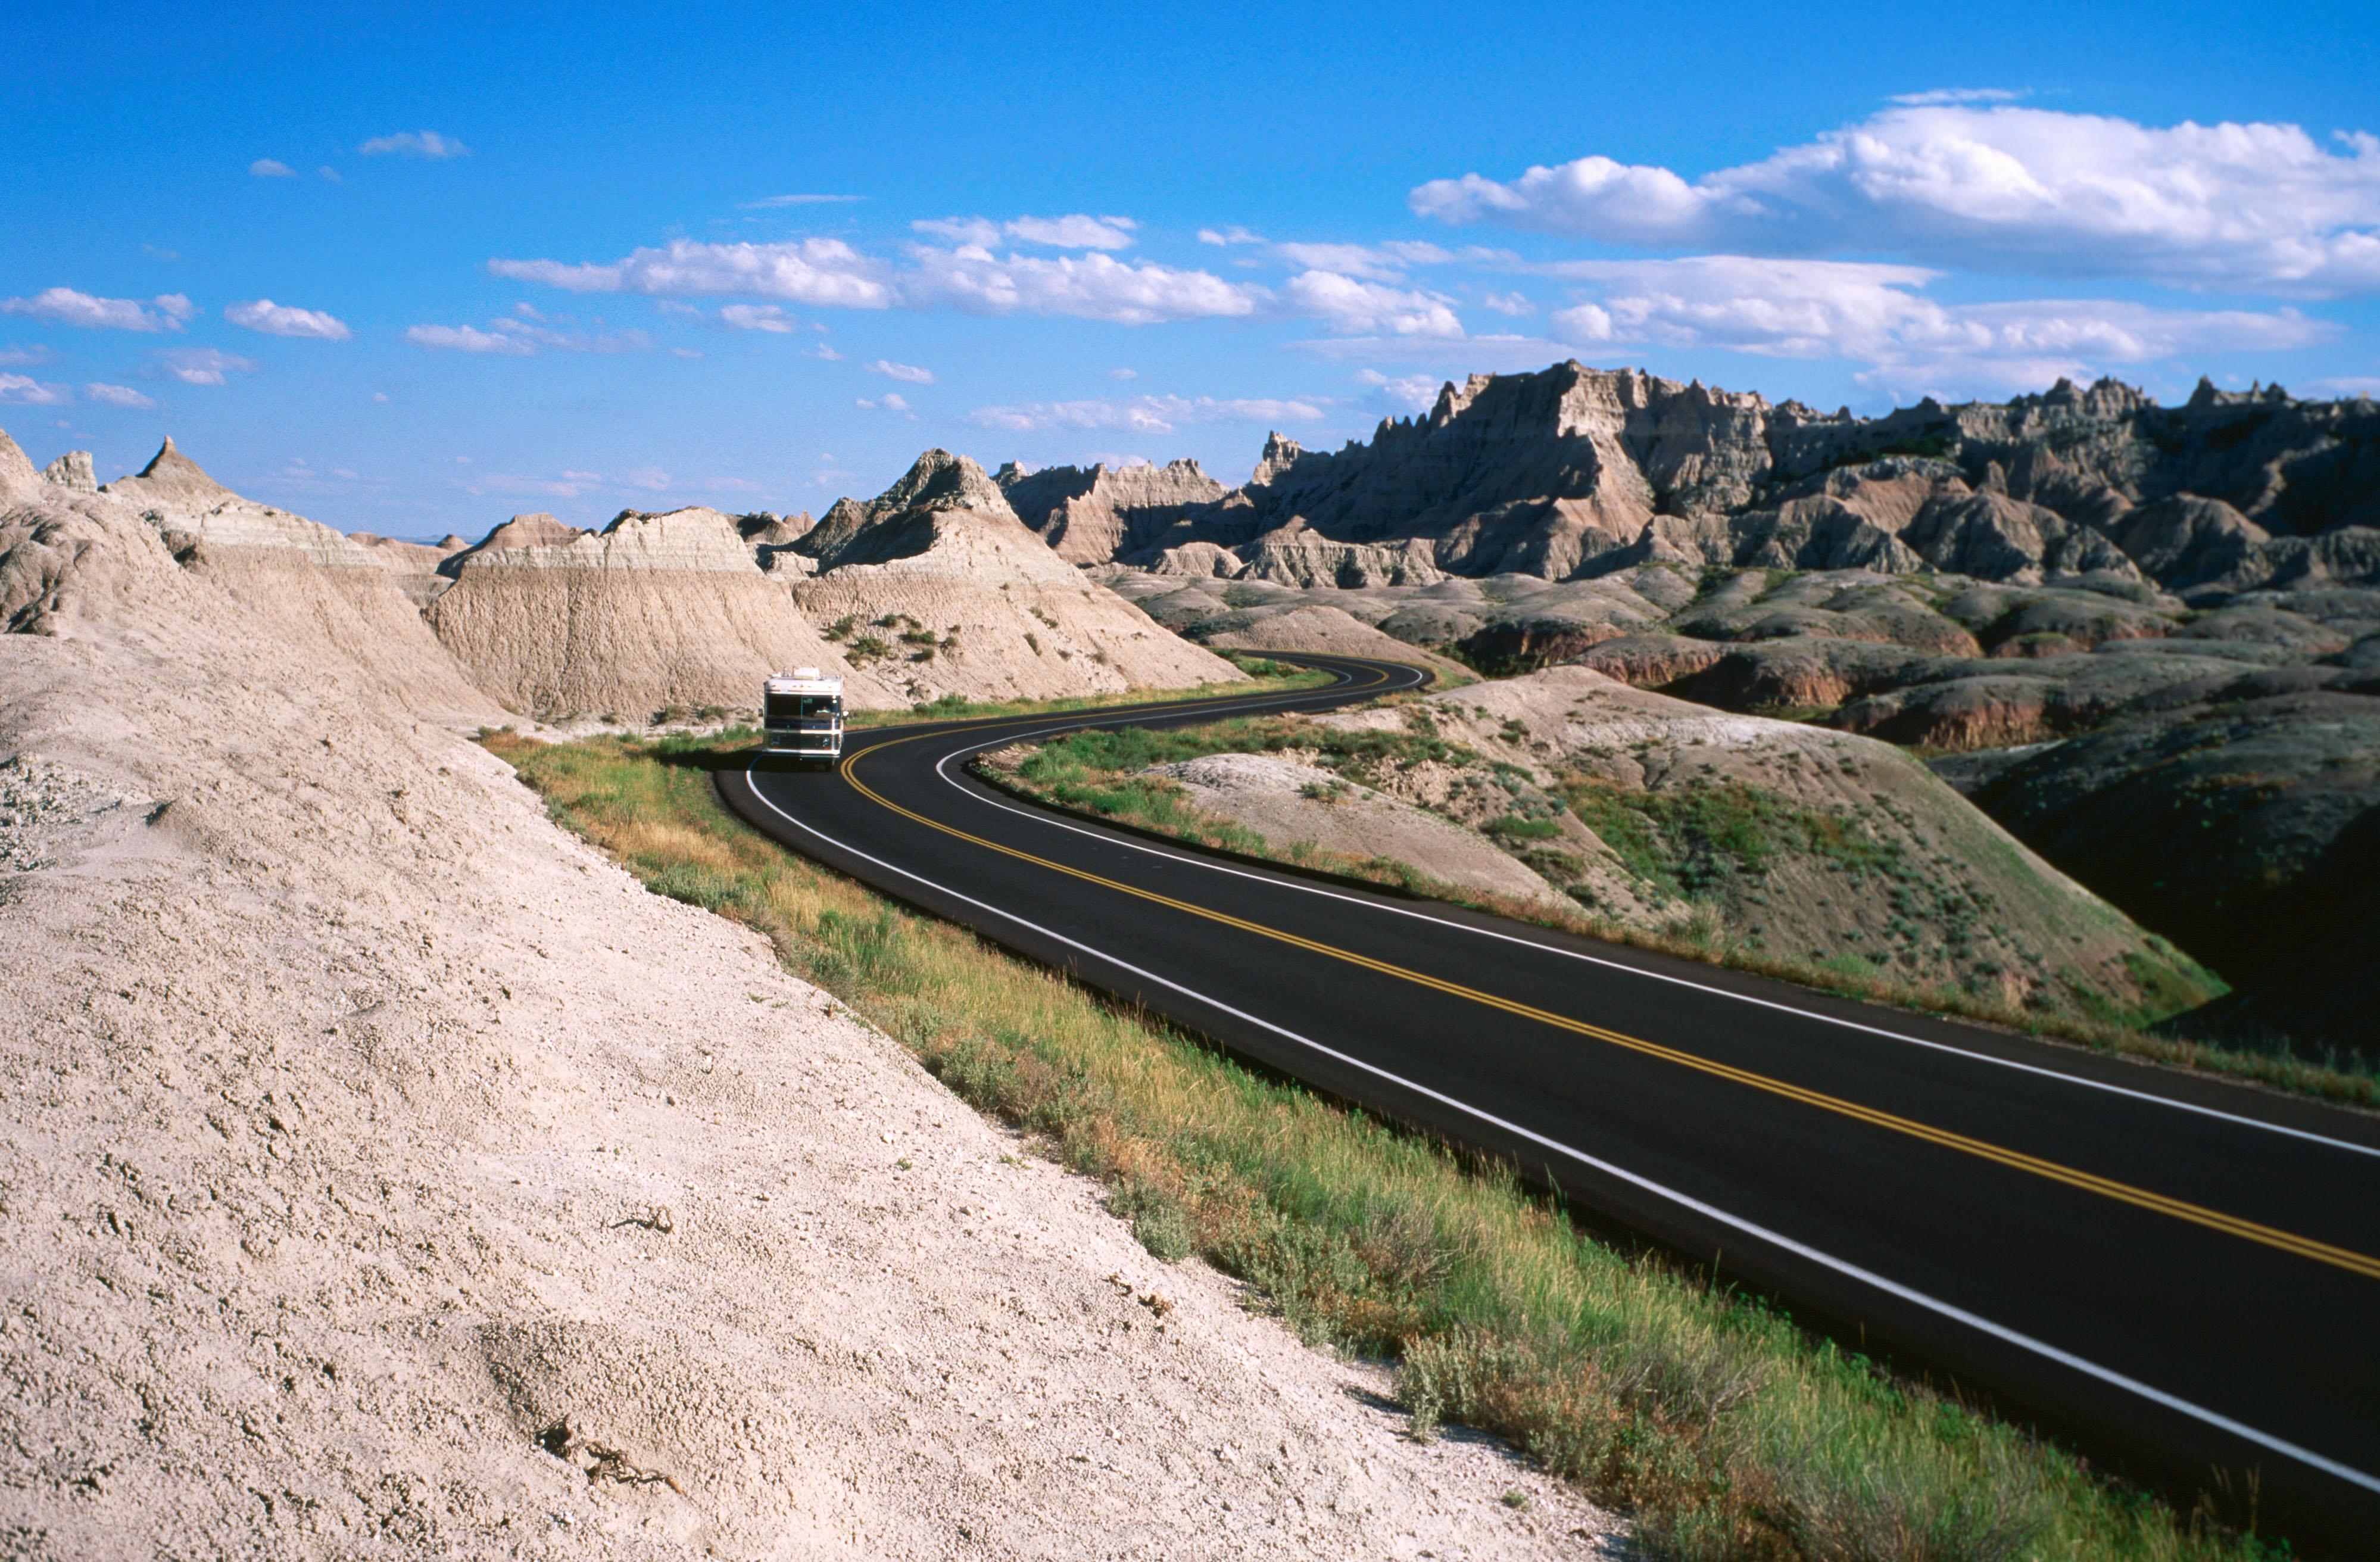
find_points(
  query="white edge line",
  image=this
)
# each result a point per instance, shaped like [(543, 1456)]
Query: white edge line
[(1289, 882), (1891, 1288)]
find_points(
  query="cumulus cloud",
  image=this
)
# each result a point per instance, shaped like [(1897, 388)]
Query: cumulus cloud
[(285, 320), (1350, 308), (2257, 206), (891, 401), (66, 306), (1513, 304), (204, 366), (1142, 414), (427, 144), (1879, 315), (1123, 373), (1229, 236), (522, 337), (116, 396), (1091, 287), (770, 318), (272, 169), (1075, 232), (1408, 393), (806, 271), (17, 390), (908, 374)]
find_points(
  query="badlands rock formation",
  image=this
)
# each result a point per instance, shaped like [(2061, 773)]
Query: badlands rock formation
[(653, 612), (1091, 517), (383, 1173), (936, 588), (1571, 472)]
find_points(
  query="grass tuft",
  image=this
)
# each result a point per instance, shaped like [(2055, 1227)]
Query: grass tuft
[(1729, 1434)]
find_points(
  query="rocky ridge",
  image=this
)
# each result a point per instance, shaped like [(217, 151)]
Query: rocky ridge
[(936, 588), (1573, 472)]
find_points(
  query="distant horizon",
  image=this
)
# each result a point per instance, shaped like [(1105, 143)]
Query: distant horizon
[(756, 261)]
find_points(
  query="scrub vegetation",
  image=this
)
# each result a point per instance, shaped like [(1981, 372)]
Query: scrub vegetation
[(1722, 1428), (1699, 845), (1266, 676)]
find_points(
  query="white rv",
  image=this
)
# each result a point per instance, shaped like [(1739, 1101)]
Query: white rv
[(802, 715)]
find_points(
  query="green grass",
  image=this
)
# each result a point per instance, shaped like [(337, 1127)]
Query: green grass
[(1724, 1430)]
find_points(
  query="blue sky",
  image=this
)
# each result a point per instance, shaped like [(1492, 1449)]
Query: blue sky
[(413, 269)]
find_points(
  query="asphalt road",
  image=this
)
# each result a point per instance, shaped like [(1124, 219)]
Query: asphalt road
[(2181, 1275)]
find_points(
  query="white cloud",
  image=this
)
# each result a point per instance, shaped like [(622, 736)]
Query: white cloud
[(272, 169), (1955, 94), (772, 201), (1879, 316), (1409, 393), (1092, 287), (467, 338), (1142, 414), (523, 338), (825, 353), (380, 396), (285, 320), (204, 366), (2260, 207), (37, 353), (770, 318), (807, 270), (908, 374), (684, 352), (1349, 307), (427, 144), (891, 401), (829, 272), (64, 305), (327, 172), (17, 390), (1514, 304), (116, 396), (2348, 386), (1077, 232), (1229, 236), (1123, 373)]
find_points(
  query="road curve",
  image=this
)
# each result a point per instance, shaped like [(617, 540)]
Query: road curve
[(2180, 1273)]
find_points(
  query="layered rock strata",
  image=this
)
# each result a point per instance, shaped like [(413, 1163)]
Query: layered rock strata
[(653, 613), (936, 588)]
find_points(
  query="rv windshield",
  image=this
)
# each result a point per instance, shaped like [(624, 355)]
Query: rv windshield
[(805, 707)]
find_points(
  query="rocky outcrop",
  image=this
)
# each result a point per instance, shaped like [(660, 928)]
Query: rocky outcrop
[(419, 568), (936, 588), (297, 570), (652, 613), (1571, 472), (1092, 517), (72, 471)]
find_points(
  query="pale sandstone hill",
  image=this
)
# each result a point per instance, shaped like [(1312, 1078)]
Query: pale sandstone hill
[(1092, 517), (418, 568), (338, 1094), (937, 588), (1795, 840), (302, 576), (655, 611)]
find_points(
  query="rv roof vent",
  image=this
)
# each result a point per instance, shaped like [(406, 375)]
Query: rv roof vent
[(806, 672)]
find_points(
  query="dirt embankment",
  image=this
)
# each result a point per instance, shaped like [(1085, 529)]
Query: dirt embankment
[(383, 1173)]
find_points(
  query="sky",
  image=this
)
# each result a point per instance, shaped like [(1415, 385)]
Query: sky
[(415, 269)]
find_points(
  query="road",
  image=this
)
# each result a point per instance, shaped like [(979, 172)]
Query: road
[(2177, 1272)]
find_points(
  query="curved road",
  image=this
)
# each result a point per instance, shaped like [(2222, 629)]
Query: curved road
[(2180, 1273)]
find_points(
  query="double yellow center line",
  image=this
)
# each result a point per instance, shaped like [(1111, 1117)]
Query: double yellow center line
[(2123, 1193)]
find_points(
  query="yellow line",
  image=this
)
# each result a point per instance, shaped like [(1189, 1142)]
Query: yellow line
[(2290, 1242)]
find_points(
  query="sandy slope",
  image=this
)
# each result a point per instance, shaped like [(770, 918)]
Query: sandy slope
[(374, 1157)]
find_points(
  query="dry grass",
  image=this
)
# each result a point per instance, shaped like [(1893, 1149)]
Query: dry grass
[(1728, 1432)]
